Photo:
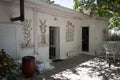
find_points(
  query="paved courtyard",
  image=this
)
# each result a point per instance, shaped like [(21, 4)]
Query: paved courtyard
[(82, 67)]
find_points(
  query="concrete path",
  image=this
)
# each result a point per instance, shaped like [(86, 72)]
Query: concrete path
[(82, 67), (63, 65)]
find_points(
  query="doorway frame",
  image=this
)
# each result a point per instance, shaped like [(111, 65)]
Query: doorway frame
[(87, 37), (57, 43)]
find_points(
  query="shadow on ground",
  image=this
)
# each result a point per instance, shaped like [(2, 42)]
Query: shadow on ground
[(95, 69), (83, 67)]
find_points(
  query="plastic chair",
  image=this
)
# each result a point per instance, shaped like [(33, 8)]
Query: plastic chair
[(110, 51)]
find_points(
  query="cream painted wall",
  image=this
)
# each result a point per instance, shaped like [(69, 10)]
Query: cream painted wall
[(28, 16), (96, 33), (61, 23), (5, 13), (8, 38)]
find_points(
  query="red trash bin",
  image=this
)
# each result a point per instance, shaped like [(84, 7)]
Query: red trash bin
[(28, 66)]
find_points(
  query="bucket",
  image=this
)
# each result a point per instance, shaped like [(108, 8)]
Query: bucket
[(28, 66)]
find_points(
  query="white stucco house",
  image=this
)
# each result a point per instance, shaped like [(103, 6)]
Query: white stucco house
[(49, 31)]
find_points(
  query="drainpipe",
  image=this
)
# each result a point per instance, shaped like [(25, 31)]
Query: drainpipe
[(21, 17)]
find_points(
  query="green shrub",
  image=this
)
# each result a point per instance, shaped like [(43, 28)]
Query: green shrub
[(8, 68), (114, 37)]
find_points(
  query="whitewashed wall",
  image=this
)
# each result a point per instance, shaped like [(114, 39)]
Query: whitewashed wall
[(7, 31), (61, 23), (11, 34), (96, 35)]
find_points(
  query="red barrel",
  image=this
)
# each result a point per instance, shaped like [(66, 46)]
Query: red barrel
[(28, 66)]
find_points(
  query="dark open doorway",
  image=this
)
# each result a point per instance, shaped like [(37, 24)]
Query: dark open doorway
[(85, 39), (53, 42)]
